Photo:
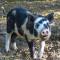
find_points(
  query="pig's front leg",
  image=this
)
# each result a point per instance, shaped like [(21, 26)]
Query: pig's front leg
[(41, 49)]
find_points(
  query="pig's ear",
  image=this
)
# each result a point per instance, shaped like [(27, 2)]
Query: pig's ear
[(31, 18), (50, 17)]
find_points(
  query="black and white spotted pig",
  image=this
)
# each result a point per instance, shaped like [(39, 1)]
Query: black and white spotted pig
[(30, 26)]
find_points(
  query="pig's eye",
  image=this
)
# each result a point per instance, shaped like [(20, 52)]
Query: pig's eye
[(47, 23), (37, 25)]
